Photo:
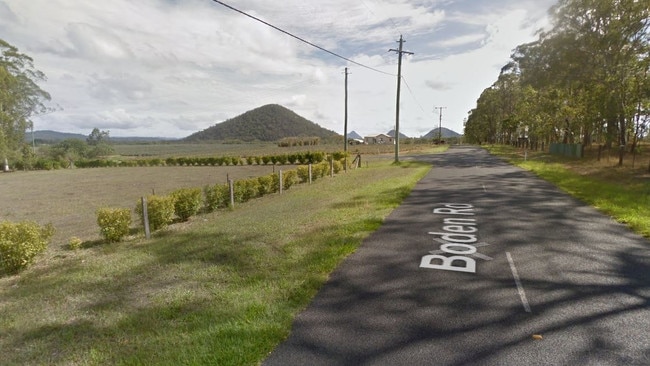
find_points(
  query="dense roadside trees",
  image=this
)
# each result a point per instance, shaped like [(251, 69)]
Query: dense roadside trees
[(585, 80), (20, 98)]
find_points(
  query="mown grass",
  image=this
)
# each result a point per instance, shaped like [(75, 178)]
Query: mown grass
[(220, 290), (623, 193)]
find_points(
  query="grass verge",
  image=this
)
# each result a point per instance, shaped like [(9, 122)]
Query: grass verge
[(620, 192), (220, 290)]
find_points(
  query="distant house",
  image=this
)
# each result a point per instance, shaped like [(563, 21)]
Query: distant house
[(379, 139)]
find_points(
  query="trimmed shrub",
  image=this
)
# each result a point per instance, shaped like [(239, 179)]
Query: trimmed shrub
[(187, 202), (258, 160), (160, 209), (275, 183), (217, 196), (74, 243), (289, 178), (235, 160), (265, 184), (320, 170), (303, 173), (282, 159), (266, 159), (338, 166), (114, 223), (246, 189), (249, 160), (21, 242)]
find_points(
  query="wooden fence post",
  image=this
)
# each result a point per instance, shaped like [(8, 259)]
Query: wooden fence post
[(231, 185), (145, 218), (309, 173), (281, 185)]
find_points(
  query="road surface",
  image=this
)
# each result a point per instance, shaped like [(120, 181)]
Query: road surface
[(483, 264)]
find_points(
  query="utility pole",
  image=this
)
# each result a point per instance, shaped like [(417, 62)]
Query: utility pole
[(345, 124), (399, 79), (440, 124)]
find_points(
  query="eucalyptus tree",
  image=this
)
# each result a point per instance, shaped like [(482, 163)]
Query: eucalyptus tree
[(20, 98), (610, 40), (584, 78)]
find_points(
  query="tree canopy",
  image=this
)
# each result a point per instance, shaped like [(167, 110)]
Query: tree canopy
[(584, 80), (20, 98)]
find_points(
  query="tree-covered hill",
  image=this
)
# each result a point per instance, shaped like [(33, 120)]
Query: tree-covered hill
[(271, 122)]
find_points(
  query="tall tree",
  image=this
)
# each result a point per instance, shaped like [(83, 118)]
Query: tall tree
[(20, 98)]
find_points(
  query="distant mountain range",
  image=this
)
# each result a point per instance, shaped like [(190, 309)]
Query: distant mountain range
[(271, 122), (48, 137)]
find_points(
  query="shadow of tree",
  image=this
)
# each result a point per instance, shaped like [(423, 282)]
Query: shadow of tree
[(586, 278)]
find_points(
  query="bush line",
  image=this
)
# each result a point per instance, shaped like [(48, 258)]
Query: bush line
[(299, 158)]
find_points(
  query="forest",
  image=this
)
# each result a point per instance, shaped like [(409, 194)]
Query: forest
[(583, 81)]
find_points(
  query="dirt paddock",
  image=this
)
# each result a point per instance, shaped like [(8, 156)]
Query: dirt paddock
[(68, 198)]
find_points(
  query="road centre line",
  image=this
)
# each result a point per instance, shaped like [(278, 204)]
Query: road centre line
[(520, 288)]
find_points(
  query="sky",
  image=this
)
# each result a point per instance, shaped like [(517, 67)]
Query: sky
[(169, 68)]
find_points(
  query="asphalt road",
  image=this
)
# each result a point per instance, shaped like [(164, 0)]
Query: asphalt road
[(539, 279)]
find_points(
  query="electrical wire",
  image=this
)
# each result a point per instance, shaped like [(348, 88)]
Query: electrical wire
[(301, 39), (413, 95)]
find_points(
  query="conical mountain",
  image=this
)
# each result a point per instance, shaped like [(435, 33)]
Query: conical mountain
[(271, 122)]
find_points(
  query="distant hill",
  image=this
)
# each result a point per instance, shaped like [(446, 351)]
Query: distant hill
[(354, 135), (445, 132), (271, 122), (391, 133), (53, 137)]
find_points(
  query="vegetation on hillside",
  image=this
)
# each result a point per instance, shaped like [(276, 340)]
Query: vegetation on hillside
[(268, 123), (586, 79)]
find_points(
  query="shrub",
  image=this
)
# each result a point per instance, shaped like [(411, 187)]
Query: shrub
[(74, 243), (246, 189), (303, 173), (320, 170), (338, 166), (114, 223), (249, 160), (217, 196), (160, 210), (289, 178), (265, 184), (266, 159), (258, 160), (282, 159), (187, 202), (235, 160), (21, 242), (275, 183)]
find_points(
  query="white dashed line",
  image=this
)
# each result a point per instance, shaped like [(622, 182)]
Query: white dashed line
[(520, 288)]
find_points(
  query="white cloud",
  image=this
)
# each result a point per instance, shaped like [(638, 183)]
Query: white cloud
[(171, 68)]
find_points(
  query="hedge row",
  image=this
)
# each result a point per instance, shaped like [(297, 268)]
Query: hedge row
[(283, 159), (184, 203)]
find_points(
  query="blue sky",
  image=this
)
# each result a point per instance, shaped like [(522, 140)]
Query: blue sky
[(170, 68)]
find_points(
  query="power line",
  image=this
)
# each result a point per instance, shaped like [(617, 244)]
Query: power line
[(300, 39), (375, 15), (413, 95)]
